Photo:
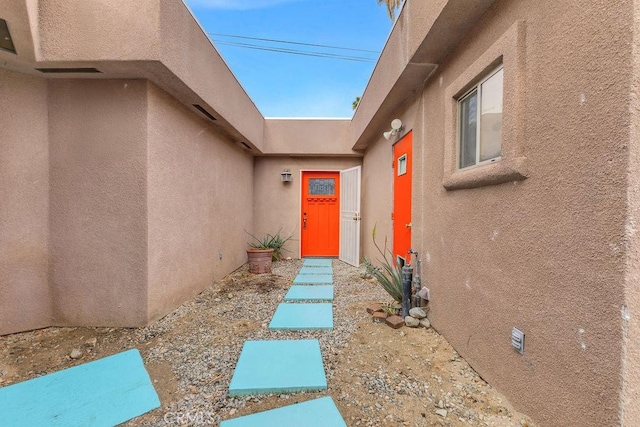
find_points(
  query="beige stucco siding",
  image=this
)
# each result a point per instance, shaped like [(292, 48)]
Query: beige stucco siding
[(98, 164), (200, 191), (24, 203), (630, 313), (545, 254)]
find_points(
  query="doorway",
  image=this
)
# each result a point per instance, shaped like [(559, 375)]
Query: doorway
[(320, 215), (402, 158)]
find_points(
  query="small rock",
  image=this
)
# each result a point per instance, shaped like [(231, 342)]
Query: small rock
[(232, 411), (217, 300), (417, 313), (425, 323), (424, 293), (441, 412), (374, 308), (91, 342), (395, 321), (75, 354), (379, 316), (230, 296), (411, 322)]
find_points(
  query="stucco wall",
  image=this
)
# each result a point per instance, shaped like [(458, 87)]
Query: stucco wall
[(545, 254), (200, 191), (98, 204), (24, 203), (630, 410), (276, 204), (308, 137)]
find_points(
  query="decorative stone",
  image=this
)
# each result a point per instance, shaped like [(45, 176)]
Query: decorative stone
[(424, 293), (417, 313), (441, 412), (374, 308), (411, 322), (395, 321), (91, 342), (379, 316), (75, 354), (425, 323)]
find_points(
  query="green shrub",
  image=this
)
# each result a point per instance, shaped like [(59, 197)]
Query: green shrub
[(271, 241), (389, 276)]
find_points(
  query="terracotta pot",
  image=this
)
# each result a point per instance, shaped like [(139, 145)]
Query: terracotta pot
[(260, 260)]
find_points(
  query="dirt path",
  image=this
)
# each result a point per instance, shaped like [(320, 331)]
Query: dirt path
[(377, 376)]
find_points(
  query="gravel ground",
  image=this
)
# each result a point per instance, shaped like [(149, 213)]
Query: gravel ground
[(376, 375)]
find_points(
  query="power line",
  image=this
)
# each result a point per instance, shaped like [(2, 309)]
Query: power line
[(291, 42), (295, 52)]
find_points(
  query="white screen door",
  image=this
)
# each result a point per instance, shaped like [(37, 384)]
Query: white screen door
[(350, 216)]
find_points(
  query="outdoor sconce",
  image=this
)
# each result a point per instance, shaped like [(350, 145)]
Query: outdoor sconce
[(396, 128), (286, 175), (6, 42)]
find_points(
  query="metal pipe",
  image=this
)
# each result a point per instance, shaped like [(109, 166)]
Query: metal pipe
[(417, 285), (407, 273)]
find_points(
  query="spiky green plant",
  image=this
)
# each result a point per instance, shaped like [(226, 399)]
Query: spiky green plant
[(389, 276), (271, 241)]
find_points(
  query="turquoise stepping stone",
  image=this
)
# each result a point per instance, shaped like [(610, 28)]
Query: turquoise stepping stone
[(313, 279), (320, 412), (315, 270), (310, 293), (104, 392), (317, 262), (278, 367), (303, 316)]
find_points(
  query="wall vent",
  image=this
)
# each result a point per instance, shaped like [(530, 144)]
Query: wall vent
[(203, 111), (517, 340), (6, 42), (68, 70)]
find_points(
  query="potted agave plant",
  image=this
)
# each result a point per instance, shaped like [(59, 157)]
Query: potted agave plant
[(262, 251)]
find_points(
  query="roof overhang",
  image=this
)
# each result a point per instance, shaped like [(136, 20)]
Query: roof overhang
[(422, 37)]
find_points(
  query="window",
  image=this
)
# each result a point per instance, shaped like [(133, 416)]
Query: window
[(322, 186), (484, 116), (480, 122), (402, 165)]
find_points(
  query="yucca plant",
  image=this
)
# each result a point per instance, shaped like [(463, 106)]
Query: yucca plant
[(389, 276), (271, 241)]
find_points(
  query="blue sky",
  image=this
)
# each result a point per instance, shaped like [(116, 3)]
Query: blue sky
[(286, 85)]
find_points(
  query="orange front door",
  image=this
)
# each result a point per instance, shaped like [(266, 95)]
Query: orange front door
[(320, 214), (402, 197)]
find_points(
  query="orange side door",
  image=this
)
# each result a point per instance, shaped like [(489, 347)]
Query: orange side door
[(320, 216), (402, 158)]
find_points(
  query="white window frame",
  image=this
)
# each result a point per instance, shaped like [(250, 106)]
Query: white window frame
[(402, 160), (478, 88)]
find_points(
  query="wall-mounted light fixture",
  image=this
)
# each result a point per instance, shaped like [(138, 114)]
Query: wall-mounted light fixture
[(396, 128), (6, 42), (286, 175)]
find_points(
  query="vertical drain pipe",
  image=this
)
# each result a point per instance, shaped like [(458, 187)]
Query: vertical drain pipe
[(416, 301), (407, 273)]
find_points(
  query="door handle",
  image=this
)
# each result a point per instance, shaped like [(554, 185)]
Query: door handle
[(304, 223), (408, 225)]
